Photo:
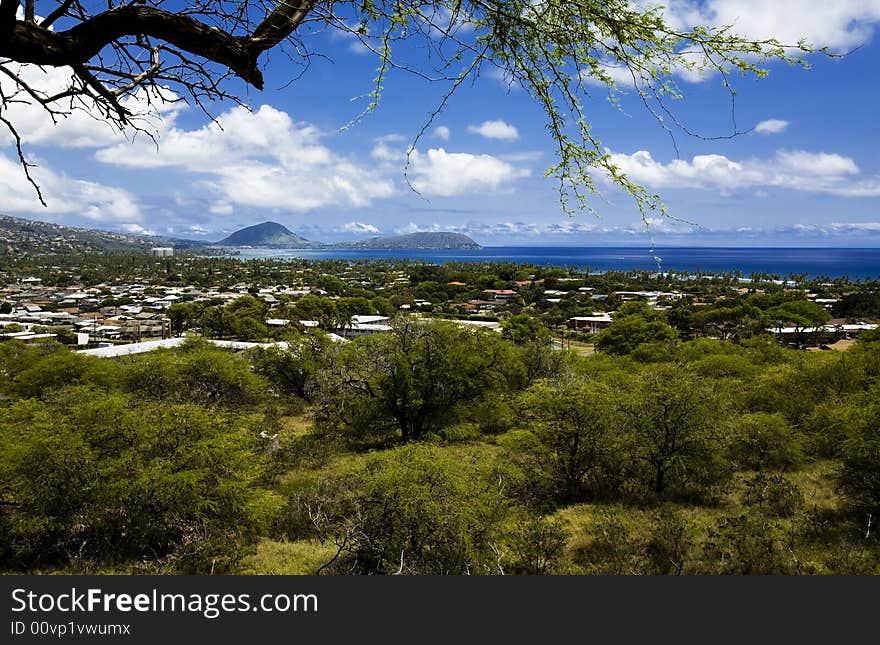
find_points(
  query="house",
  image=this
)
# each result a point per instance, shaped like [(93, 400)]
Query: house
[(501, 294), (364, 326), (592, 324)]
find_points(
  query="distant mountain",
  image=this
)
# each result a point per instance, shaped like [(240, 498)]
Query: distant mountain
[(277, 236), (268, 235), (422, 240), (21, 236)]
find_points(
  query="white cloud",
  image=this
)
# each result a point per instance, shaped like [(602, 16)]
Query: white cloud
[(839, 25), (442, 132), (221, 208), (579, 228), (520, 157), (383, 152), (360, 227), (412, 227), (434, 227), (445, 174), (855, 227), (63, 195), (771, 126), (391, 138), (137, 229), (261, 159), (495, 130), (795, 170), (621, 75)]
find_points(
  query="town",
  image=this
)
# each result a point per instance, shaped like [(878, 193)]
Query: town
[(163, 297)]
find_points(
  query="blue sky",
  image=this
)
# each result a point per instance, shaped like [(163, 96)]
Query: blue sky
[(808, 176)]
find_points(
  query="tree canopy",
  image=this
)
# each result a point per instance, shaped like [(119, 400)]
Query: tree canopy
[(126, 56)]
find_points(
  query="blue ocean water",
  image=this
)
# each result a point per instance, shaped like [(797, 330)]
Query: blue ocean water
[(831, 262)]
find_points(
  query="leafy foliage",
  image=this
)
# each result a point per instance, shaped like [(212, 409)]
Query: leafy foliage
[(412, 380)]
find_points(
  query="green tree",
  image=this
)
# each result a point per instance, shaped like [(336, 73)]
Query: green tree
[(801, 314), (571, 436), (862, 304), (537, 545), (313, 307), (414, 510), (294, 368), (750, 544), (197, 373), (671, 418), (215, 322), (730, 321), (383, 306), (91, 476), (765, 441), (858, 478), (523, 329), (633, 325), (182, 316), (60, 368), (411, 379)]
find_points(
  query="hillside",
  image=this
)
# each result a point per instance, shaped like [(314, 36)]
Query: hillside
[(421, 240), (267, 234), (20, 236)]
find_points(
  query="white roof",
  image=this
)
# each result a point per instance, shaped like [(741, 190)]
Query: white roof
[(167, 343), (361, 320), (487, 324), (370, 327), (133, 348), (26, 335)]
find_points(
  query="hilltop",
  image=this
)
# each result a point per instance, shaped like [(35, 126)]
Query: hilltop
[(268, 234)]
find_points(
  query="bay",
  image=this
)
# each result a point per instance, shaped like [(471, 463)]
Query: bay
[(854, 263)]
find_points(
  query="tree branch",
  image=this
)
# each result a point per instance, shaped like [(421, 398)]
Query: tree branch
[(31, 43), (55, 15), (8, 11)]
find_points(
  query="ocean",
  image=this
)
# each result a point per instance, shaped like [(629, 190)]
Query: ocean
[(832, 262)]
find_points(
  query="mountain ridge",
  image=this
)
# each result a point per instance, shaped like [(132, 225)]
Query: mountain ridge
[(277, 236), (435, 240), (19, 235)]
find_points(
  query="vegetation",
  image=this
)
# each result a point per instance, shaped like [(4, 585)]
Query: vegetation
[(698, 438), (435, 448)]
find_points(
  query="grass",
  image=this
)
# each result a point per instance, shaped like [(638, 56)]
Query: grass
[(295, 426), (300, 558), (578, 346)]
